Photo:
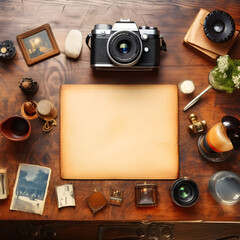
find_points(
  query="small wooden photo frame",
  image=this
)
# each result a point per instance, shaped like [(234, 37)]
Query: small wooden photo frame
[(38, 44)]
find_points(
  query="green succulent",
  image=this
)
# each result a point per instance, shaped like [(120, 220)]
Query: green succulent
[(226, 74)]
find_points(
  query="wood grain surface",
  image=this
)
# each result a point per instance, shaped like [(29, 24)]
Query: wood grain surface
[(173, 18)]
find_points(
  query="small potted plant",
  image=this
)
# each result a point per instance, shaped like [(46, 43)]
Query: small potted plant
[(226, 75)]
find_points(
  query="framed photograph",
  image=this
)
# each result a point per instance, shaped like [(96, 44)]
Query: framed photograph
[(38, 44), (30, 189)]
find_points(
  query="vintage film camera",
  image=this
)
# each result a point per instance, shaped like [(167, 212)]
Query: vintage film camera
[(7, 49), (124, 46)]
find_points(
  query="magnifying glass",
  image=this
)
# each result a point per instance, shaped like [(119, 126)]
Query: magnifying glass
[(211, 85)]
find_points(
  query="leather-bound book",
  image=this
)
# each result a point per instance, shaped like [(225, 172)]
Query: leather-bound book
[(197, 41)]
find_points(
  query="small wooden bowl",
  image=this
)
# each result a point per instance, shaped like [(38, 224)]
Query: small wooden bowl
[(15, 128)]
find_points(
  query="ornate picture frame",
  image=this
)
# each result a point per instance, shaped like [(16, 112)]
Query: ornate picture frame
[(38, 44)]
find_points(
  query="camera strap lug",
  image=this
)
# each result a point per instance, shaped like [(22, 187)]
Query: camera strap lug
[(87, 39), (163, 45)]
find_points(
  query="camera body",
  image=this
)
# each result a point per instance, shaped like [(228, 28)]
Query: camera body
[(124, 46)]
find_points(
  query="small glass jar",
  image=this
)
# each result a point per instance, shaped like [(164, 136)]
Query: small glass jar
[(186, 86), (146, 195), (224, 187)]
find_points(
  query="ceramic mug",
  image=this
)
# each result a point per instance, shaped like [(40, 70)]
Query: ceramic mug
[(15, 128)]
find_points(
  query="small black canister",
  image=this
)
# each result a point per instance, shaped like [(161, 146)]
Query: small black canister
[(7, 50)]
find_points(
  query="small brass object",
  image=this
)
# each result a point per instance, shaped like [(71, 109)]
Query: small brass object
[(116, 196), (28, 110), (197, 126)]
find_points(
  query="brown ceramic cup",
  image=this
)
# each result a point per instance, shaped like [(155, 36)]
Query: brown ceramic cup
[(15, 128)]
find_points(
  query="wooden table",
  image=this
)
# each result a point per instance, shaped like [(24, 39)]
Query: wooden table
[(173, 18)]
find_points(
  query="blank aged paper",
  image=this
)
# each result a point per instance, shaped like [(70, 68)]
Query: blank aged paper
[(119, 132)]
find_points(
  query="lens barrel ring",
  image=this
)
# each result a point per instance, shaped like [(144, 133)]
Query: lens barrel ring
[(192, 196), (119, 58), (221, 18)]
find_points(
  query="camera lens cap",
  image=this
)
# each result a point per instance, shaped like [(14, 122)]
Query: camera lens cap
[(219, 26)]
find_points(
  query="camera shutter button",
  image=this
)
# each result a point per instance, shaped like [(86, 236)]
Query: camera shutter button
[(103, 33), (144, 37), (146, 49), (144, 27)]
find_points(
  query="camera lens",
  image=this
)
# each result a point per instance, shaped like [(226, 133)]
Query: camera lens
[(184, 192), (219, 26), (124, 48)]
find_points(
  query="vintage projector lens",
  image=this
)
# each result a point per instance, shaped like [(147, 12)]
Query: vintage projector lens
[(219, 26), (184, 192), (124, 48)]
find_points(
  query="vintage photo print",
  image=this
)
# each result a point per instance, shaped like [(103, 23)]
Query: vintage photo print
[(65, 195), (38, 44), (30, 188)]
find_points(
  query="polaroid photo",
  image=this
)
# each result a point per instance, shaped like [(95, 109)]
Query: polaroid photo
[(65, 195), (30, 188)]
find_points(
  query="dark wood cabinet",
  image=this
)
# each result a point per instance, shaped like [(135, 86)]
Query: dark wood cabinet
[(73, 230)]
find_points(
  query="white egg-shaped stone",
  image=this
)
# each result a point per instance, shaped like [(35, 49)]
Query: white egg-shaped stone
[(73, 44)]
